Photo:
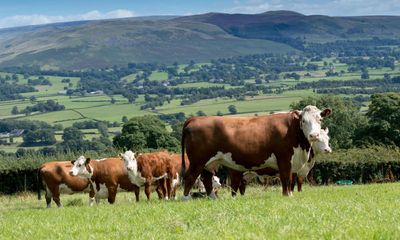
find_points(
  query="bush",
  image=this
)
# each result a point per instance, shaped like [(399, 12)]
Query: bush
[(366, 165)]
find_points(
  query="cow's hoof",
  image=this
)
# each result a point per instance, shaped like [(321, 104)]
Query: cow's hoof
[(186, 198), (212, 196)]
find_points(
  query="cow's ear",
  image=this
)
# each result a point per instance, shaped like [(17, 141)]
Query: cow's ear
[(327, 130), (326, 112), (87, 161), (297, 113)]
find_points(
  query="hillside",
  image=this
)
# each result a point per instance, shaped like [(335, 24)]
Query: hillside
[(117, 42), (276, 25), (103, 43)]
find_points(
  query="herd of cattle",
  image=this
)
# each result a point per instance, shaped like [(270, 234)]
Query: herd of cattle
[(281, 143)]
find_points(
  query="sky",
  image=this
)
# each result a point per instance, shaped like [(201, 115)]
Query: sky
[(31, 12)]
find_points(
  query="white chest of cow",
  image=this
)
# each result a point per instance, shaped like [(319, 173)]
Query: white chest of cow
[(299, 159)]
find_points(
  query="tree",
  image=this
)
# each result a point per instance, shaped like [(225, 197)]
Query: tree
[(14, 110), (40, 136), (73, 140), (232, 109), (384, 121), (32, 99), (125, 119), (342, 123), (146, 132), (364, 74), (72, 134), (201, 113), (103, 130)]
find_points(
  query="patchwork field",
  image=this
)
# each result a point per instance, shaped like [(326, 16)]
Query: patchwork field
[(328, 212), (113, 108)]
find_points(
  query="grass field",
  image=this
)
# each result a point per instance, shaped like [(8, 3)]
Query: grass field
[(329, 212)]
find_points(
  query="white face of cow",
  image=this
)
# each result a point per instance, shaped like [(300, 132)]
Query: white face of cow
[(80, 169), (311, 118), (215, 182), (322, 144), (129, 160)]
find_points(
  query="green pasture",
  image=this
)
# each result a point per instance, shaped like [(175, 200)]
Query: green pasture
[(329, 212), (264, 103), (158, 76)]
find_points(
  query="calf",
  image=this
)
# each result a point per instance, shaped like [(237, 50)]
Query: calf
[(149, 168), (55, 178), (177, 165), (107, 176), (318, 147)]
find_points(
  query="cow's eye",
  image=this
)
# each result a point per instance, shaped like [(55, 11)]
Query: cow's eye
[(79, 165)]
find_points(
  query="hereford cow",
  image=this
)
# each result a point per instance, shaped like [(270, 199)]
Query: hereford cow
[(147, 168), (320, 146), (55, 178), (249, 143), (107, 175)]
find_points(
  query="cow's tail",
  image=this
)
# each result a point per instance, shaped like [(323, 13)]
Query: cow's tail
[(39, 183), (184, 132)]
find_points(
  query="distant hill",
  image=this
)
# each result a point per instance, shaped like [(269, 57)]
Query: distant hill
[(313, 28), (168, 39)]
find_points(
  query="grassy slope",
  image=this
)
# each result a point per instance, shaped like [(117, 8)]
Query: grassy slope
[(354, 212), (118, 42)]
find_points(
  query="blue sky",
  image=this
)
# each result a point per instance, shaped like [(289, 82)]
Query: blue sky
[(30, 12)]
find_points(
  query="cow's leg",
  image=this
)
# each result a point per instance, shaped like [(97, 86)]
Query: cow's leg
[(112, 193), (168, 182), (160, 189), (147, 188), (299, 183), (48, 197), (242, 187), (235, 177), (206, 176), (137, 191), (190, 177), (55, 192), (294, 180), (286, 177)]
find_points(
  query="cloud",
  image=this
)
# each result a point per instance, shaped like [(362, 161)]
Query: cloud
[(23, 20), (325, 7)]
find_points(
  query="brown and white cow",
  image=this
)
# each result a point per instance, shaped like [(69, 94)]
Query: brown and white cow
[(319, 147), (55, 178), (249, 143), (148, 168), (107, 175), (238, 179)]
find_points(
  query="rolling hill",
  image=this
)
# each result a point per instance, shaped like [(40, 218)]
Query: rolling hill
[(102, 43)]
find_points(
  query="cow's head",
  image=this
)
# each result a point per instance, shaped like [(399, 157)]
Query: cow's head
[(310, 121), (81, 168), (129, 160), (322, 144), (215, 182)]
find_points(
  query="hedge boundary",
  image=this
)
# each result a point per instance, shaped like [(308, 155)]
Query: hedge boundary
[(362, 166)]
